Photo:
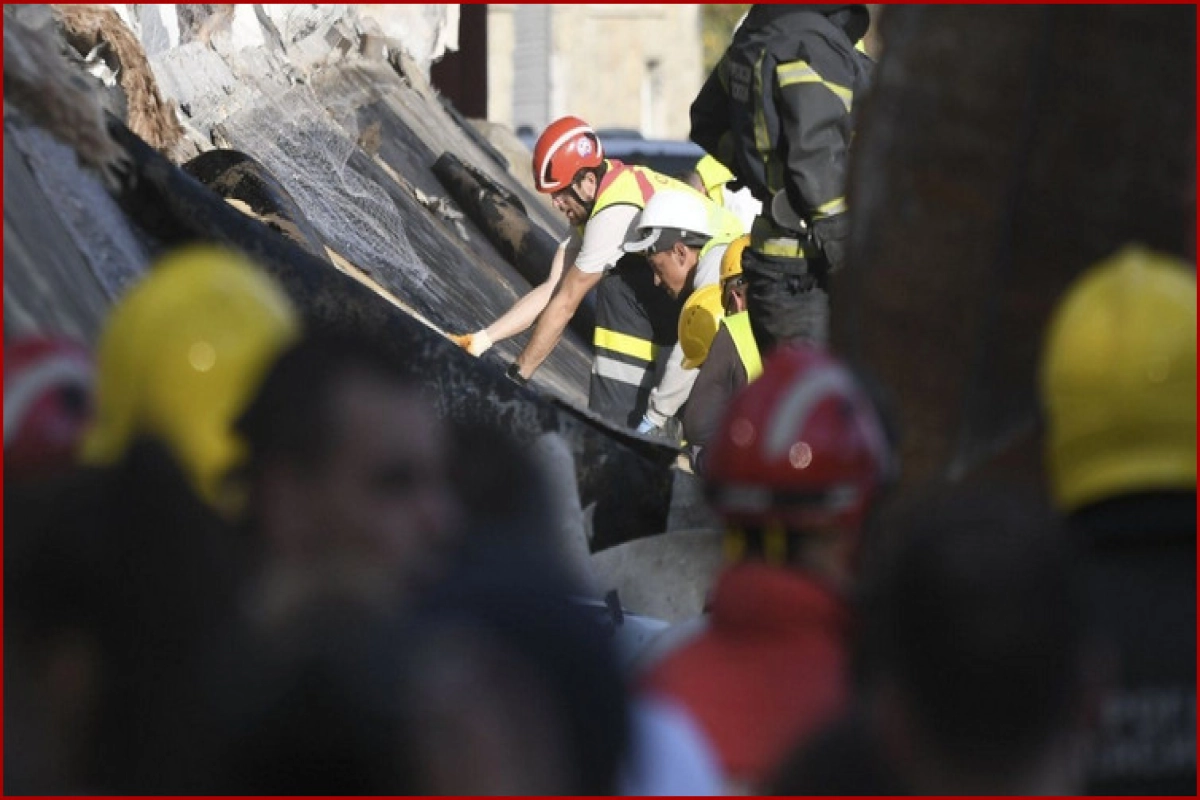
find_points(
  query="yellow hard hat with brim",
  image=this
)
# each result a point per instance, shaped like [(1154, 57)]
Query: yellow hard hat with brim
[(181, 356), (698, 323), (731, 260), (1118, 380)]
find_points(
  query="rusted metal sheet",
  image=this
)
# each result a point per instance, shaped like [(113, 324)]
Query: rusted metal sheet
[(1002, 150)]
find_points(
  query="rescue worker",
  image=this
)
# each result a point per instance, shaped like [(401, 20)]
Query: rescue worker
[(975, 673), (348, 470), (128, 570), (714, 180), (777, 110), (732, 361), (601, 198), (181, 358), (1118, 387), (797, 464), (684, 238)]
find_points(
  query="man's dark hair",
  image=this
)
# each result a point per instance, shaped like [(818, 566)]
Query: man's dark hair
[(291, 416), (974, 610), (599, 171)]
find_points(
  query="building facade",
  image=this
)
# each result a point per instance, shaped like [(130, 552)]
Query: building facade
[(628, 66)]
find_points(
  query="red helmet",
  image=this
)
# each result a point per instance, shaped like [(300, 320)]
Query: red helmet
[(566, 146), (801, 447), (47, 403)]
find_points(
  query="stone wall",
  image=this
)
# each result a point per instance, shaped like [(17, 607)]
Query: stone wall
[(617, 66)]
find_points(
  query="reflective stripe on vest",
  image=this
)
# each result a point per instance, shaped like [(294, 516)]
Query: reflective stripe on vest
[(747, 347), (623, 343), (619, 371)]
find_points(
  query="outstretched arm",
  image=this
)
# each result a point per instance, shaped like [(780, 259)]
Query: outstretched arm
[(575, 284), (526, 310)]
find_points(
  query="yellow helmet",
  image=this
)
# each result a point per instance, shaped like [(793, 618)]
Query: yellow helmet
[(714, 175), (180, 358), (731, 262), (698, 324), (1118, 380)]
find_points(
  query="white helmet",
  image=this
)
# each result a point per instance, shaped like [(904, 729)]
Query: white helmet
[(683, 214)]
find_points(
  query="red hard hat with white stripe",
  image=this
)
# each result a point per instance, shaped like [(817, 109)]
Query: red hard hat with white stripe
[(802, 447), (566, 146), (47, 403)]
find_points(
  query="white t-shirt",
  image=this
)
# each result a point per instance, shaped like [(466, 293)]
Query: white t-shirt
[(599, 249), (743, 204)]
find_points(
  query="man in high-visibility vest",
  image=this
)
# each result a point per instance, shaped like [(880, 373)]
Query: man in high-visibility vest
[(635, 321)]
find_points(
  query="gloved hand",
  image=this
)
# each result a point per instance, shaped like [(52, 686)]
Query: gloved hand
[(647, 425), (476, 343), (831, 235)]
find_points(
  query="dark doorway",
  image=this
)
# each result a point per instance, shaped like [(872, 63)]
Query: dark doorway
[(462, 76)]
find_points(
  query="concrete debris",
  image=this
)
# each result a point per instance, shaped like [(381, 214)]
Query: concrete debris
[(98, 29), (41, 82)]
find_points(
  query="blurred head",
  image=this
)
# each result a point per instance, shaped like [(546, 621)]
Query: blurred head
[(568, 162), (349, 462), (974, 647), (181, 356), (1118, 380), (799, 460), (505, 668), (47, 404), (672, 228)]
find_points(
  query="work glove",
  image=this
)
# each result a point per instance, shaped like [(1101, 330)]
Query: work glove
[(671, 430), (647, 425), (831, 235), (476, 343)]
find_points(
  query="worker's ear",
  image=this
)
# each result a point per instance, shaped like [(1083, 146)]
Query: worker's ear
[(586, 185)]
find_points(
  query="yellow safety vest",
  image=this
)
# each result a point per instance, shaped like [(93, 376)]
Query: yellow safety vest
[(743, 340), (714, 175), (631, 185), (727, 227)]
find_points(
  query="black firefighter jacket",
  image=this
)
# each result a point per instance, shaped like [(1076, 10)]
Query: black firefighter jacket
[(777, 107)]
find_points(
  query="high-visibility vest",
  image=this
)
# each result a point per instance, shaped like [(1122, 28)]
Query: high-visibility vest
[(726, 227), (631, 185), (747, 348), (714, 175)]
